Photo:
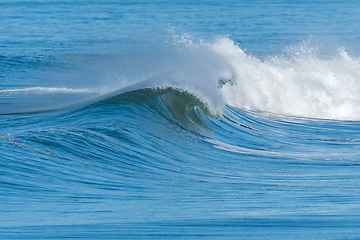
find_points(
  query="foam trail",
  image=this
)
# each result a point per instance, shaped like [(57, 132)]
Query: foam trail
[(38, 99), (46, 90)]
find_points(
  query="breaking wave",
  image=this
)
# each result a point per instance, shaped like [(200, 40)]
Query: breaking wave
[(302, 81)]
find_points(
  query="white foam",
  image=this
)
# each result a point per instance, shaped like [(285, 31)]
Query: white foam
[(301, 82)]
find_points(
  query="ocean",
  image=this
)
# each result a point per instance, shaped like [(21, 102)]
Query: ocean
[(179, 119)]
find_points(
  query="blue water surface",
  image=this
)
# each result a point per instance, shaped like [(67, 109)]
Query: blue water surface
[(85, 153)]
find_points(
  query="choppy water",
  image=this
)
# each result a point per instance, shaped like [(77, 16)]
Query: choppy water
[(162, 120)]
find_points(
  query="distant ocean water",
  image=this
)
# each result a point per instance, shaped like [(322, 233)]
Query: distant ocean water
[(179, 119)]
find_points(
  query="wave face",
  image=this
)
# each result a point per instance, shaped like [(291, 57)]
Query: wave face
[(231, 123)]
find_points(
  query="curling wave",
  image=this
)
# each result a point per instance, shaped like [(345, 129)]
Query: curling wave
[(171, 104)]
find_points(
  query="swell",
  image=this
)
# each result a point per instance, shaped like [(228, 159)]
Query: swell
[(110, 145), (158, 114), (151, 141)]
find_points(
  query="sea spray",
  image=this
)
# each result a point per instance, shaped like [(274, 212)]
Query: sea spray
[(301, 82)]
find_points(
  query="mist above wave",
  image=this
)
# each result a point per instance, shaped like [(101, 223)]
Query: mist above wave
[(301, 81)]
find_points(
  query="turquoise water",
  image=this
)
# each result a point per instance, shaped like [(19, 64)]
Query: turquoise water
[(163, 120)]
